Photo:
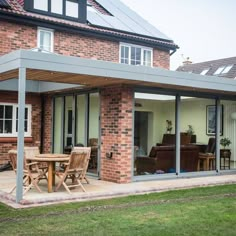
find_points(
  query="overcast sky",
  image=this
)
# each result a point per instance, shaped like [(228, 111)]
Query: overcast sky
[(203, 29)]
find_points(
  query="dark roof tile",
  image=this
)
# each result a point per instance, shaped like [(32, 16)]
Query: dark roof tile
[(213, 65), (17, 9)]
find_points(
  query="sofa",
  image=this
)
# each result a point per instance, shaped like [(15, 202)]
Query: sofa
[(162, 159), (169, 139)]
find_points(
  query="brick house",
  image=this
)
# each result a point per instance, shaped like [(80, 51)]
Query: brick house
[(83, 87)]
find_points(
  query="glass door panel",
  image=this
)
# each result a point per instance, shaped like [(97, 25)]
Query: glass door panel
[(154, 134), (197, 134), (81, 123), (93, 131), (68, 124)]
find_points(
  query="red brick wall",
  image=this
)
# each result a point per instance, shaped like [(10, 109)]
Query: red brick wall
[(15, 36), (161, 59), (116, 134), (10, 143), (47, 124)]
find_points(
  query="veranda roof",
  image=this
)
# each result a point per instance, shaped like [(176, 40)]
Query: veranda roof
[(43, 68)]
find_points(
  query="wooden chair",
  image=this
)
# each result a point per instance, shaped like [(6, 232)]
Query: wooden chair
[(74, 169), (86, 150), (207, 159), (32, 174), (42, 166)]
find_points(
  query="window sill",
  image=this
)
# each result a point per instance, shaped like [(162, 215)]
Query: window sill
[(14, 139)]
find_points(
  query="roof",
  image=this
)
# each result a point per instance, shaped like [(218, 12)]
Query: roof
[(225, 67), (4, 4), (96, 74), (111, 17)]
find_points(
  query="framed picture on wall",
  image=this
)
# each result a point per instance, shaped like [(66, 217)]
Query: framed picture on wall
[(211, 120)]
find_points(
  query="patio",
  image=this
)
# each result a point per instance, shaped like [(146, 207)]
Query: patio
[(98, 189)]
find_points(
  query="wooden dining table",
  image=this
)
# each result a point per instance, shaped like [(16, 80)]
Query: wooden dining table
[(51, 159)]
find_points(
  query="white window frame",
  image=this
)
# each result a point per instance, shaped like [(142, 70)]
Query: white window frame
[(52, 39), (137, 46), (14, 133)]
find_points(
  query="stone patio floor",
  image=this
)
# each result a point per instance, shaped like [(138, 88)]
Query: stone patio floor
[(98, 189)]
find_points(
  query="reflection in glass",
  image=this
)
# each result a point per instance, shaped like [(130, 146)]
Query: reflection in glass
[(197, 151), (93, 132), (228, 152), (81, 120)]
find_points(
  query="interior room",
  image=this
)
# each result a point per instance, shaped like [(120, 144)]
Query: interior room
[(154, 134)]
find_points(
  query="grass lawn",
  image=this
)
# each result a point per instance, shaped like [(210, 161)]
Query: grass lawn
[(199, 211)]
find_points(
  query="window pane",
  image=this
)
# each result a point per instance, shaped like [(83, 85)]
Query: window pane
[(8, 126), (135, 56), (197, 127), (68, 120), (154, 134), (72, 9), (26, 125), (81, 120), (26, 113), (1, 111), (124, 55), (146, 58), (45, 40), (219, 70), (1, 126), (56, 6), (41, 5), (8, 112)]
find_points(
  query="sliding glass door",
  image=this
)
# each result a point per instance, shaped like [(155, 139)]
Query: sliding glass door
[(76, 123)]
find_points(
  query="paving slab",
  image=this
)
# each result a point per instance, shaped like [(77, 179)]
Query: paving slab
[(98, 189)]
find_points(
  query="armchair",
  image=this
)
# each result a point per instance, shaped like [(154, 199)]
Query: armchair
[(163, 158)]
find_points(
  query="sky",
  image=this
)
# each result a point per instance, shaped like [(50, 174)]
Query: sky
[(203, 29)]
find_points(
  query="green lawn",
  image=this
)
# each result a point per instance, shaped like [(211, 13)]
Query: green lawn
[(200, 211)]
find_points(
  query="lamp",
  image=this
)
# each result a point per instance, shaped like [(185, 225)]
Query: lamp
[(233, 116)]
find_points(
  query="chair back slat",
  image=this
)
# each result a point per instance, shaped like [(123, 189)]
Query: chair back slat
[(86, 150), (31, 151), (77, 160), (13, 159)]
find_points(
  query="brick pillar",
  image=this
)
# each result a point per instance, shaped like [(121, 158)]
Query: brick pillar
[(116, 134), (48, 124)]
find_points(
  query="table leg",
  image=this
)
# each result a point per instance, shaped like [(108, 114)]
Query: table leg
[(207, 163), (50, 176)]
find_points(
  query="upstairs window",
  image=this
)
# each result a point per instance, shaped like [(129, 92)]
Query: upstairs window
[(41, 5), (69, 9), (227, 69), (9, 120), (45, 40), (135, 55), (204, 71), (223, 70), (72, 9)]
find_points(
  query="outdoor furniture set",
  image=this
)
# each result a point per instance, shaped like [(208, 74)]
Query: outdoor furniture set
[(42, 166)]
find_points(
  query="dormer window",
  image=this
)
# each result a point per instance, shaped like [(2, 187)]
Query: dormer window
[(41, 5), (75, 10), (72, 8)]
